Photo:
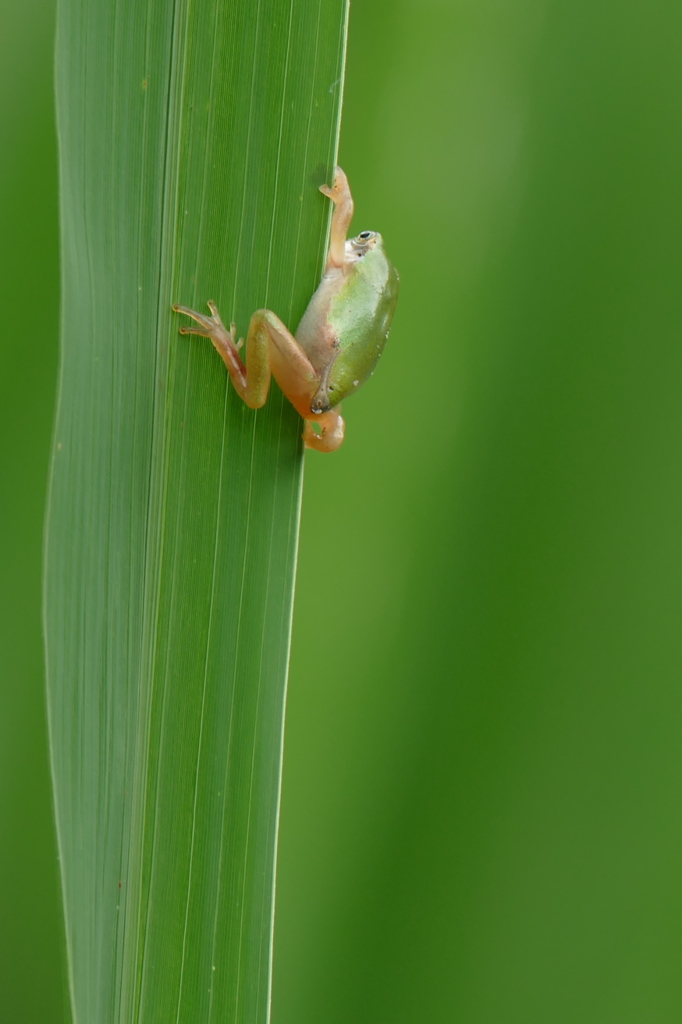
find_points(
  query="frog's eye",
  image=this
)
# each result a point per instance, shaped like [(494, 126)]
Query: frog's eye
[(363, 242)]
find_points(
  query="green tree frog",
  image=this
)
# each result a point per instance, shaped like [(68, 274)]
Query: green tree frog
[(338, 341)]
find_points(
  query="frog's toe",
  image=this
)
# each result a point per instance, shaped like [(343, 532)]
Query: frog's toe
[(205, 323), (177, 308), (204, 332)]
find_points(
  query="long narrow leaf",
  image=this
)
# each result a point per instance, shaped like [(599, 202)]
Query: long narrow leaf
[(193, 136)]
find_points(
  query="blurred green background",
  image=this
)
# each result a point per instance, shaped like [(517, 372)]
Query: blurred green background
[(483, 773)]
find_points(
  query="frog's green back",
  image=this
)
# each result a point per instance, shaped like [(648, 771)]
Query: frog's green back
[(361, 317)]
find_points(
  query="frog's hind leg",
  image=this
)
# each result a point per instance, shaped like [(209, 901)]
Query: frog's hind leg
[(270, 350), (331, 431)]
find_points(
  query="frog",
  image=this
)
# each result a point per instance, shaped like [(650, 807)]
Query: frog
[(336, 345)]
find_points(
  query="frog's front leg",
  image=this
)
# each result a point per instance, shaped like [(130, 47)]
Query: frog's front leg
[(339, 193)]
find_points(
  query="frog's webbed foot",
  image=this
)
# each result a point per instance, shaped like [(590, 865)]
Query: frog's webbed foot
[(339, 193), (331, 431), (222, 338)]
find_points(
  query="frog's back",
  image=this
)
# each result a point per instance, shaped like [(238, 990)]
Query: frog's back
[(361, 316)]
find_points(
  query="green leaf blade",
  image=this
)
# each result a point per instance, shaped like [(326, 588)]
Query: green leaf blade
[(192, 139)]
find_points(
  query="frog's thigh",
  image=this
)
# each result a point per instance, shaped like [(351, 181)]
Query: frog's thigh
[(332, 430), (272, 349)]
